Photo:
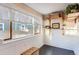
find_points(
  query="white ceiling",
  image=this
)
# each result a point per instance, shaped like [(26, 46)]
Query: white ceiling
[(45, 8)]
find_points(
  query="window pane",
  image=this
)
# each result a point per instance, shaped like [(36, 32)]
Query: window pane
[(22, 25), (4, 13), (37, 27), (4, 23)]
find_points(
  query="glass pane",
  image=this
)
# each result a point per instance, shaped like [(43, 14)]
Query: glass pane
[(37, 28), (4, 13), (4, 23), (4, 29), (22, 25)]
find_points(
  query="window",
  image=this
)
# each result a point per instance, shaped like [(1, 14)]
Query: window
[(22, 25), (15, 24), (4, 23), (37, 27), (1, 27)]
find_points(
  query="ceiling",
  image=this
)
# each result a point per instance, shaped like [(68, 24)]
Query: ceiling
[(45, 8)]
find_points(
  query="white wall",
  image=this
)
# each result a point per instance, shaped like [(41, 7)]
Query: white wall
[(19, 46), (63, 41)]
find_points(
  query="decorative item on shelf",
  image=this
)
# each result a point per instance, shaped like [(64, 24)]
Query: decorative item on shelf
[(75, 20), (49, 17), (72, 8), (64, 25), (48, 27), (60, 15), (62, 31), (56, 25)]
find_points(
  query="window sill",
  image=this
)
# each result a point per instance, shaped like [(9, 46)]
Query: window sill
[(16, 39)]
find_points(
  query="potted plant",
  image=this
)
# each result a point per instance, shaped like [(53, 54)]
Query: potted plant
[(72, 8)]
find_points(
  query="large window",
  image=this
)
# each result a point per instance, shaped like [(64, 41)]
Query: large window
[(16, 24)]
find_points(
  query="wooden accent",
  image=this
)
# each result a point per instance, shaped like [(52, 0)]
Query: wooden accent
[(55, 15), (31, 51), (10, 29), (27, 9)]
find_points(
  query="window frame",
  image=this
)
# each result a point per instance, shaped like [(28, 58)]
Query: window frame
[(12, 14)]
